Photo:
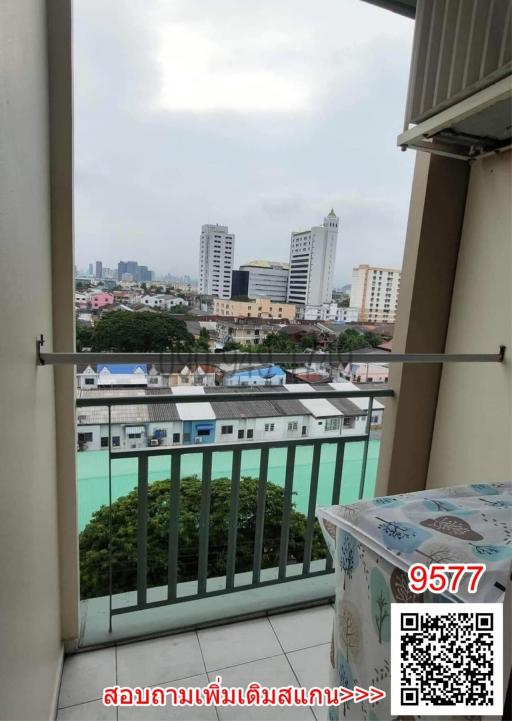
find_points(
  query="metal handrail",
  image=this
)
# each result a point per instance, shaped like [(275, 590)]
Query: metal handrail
[(187, 357), (239, 396)]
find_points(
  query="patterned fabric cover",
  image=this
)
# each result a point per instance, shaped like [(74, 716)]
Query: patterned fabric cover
[(373, 543)]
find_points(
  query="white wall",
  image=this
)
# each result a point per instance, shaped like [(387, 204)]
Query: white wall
[(30, 626), (472, 437)]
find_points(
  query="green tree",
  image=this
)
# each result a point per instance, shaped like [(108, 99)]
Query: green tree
[(308, 341), (94, 538), (352, 339), (84, 336), (201, 344), (278, 343), (231, 345), (146, 332)]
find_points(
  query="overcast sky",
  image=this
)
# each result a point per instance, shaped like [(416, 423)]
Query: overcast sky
[(257, 115)]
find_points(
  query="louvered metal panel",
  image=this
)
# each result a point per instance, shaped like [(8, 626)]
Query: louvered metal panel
[(459, 48)]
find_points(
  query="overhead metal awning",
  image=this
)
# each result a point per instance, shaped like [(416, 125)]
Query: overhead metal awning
[(135, 429)]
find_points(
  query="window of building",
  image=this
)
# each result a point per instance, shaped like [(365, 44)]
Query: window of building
[(175, 437), (269, 427), (332, 424), (375, 419), (240, 434), (349, 422), (85, 437), (293, 425), (250, 433), (104, 441), (225, 430), (134, 435), (203, 432), (89, 381), (153, 381), (116, 441)]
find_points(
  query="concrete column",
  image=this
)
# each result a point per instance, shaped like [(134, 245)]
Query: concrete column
[(61, 205), (436, 215)]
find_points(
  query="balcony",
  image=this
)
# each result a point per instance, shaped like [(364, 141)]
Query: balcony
[(214, 531), (269, 650)]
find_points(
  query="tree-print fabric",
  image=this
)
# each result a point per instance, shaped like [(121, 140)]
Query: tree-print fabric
[(373, 543)]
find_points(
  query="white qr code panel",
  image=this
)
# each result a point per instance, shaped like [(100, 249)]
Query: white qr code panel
[(447, 658)]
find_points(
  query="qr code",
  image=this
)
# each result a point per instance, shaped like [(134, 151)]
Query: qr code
[(447, 658)]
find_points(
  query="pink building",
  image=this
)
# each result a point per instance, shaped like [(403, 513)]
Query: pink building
[(98, 300)]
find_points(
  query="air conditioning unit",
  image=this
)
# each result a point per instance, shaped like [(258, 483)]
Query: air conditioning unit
[(198, 439), (153, 442)]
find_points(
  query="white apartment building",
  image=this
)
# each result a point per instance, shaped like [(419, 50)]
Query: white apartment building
[(312, 256), (266, 279), (375, 293), (217, 247), (329, 311)]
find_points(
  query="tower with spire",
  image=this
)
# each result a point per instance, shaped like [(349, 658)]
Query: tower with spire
[(312, 258)]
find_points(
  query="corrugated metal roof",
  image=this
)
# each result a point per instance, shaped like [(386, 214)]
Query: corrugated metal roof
[(249, 409), (95, 415), (291, 407), (347, 407), (321, 407), (163, 412)]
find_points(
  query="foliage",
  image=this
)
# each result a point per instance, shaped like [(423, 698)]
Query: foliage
[(84, 336), (352, 339), (308, 341), (231, 345), (201, 344), (277, 342), (146, 332), (94, 538)]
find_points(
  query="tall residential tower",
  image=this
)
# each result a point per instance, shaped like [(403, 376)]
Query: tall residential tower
[(217, 247), (312, 256)]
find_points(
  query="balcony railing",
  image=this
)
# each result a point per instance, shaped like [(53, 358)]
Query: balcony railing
[(209, 567)]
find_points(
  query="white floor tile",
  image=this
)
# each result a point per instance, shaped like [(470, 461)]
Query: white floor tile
[(92, 711), (85, 675), (311, 666), (300, 629), (274, 671), (238, 643), (148, 663), (171, 713)]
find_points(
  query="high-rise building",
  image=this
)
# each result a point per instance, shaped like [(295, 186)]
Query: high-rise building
[(139, 273), (99, 270), (91, 270), (312, 256), (217, 248), (261, 279), (374, 293)]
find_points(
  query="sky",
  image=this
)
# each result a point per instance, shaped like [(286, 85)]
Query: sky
[(260, 116)]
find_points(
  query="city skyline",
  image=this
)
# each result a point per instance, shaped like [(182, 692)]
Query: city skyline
[(255, 144)]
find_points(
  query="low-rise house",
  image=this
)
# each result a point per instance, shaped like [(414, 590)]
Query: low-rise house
[(366, 372), (98, 300), (255, 375), (174, 423), (257, 308), (243, 331)]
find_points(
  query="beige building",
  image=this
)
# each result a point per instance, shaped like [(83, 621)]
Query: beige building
[(244, 332), (258, 308), (374, 293)]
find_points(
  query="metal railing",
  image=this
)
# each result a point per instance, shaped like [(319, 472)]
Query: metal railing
[(234, 580)]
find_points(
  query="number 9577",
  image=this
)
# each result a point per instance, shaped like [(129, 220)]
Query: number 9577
[(441, 577)]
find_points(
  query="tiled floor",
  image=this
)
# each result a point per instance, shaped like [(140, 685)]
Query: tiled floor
[(285, 649)]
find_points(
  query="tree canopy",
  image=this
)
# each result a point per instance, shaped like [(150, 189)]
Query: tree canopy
[(146, 332), (352, 339), (94, 538)]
